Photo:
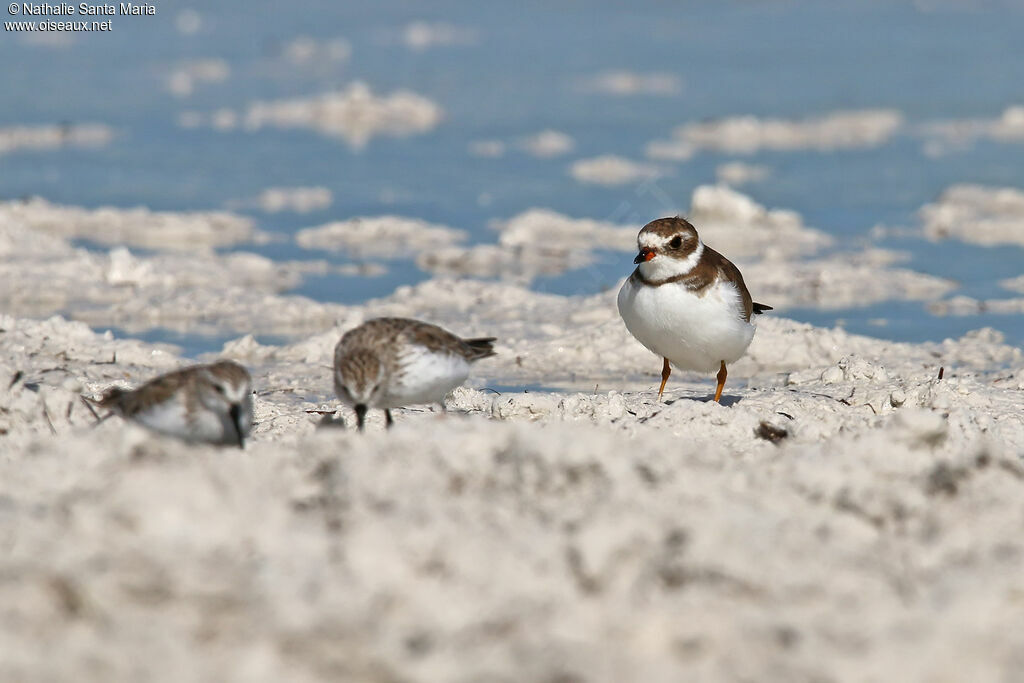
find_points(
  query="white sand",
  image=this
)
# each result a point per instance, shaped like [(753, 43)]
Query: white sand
[(853, 129), (841, 508), (597, 536)]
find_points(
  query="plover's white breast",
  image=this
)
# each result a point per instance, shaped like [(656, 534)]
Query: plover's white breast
[(424, 375), (695, 331)]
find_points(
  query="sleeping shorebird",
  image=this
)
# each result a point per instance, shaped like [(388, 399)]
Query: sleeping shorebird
[(207, 403), (391, 362), (686, 302)]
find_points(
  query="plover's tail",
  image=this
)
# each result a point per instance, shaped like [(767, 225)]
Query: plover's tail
[(761, 308), (479, 348)]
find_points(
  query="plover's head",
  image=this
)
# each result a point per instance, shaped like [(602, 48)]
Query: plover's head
[(359, 379), (668, 247), (226, 387)]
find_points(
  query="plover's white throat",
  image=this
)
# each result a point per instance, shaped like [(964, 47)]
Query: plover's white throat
[(392, 362), (686, 302), (208, 403)]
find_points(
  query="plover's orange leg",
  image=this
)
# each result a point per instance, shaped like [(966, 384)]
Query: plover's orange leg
[(665, 372), (722, 374)]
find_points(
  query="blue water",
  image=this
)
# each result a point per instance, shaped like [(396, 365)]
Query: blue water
[(930, 59)]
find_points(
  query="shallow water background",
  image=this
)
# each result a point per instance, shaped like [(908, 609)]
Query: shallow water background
[(523, 68)]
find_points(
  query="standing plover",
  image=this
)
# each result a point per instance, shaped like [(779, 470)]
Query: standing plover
[(391, 362), (209, 403), (686, 302)]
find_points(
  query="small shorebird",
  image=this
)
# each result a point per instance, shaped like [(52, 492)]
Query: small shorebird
[(391, 362), (686, 302), (208, 403)]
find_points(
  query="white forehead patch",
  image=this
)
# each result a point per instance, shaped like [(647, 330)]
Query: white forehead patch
[(655, 241), (649, 239)]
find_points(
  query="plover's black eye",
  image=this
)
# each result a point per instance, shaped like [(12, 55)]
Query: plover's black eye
[(676, 242), (219, 389)]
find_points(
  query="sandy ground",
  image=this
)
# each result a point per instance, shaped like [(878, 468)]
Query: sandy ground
[(842, 515)]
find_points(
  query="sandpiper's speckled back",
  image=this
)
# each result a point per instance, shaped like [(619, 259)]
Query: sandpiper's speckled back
[(391, 362), (210, 403)]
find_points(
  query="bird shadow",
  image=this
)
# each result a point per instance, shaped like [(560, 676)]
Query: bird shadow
[(727, 400)]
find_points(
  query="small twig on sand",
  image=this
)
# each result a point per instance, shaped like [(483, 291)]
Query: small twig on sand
[(92, 410), (49, 422)]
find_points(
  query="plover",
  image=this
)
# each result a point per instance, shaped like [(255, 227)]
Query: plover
[(686, 302), (391, 362), (208, 403)]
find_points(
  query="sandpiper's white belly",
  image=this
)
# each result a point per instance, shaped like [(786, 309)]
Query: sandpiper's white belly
[(426, 377), (203, 424), (694, 331), (172, 418)]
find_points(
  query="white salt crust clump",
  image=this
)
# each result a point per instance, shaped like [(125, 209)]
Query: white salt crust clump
[(534, 242), (611, 170), (187, 76), (382, 237), (966, 305), (545, 144), (854, 129), (138, 227), (424, 35), (735, 225), (944, 136), (355, 114), (977, 214), (1015, 284), (308, 52), (45, 138), (625, 83), (197, 292), (217, 294), (737, 173), (294, 199)]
